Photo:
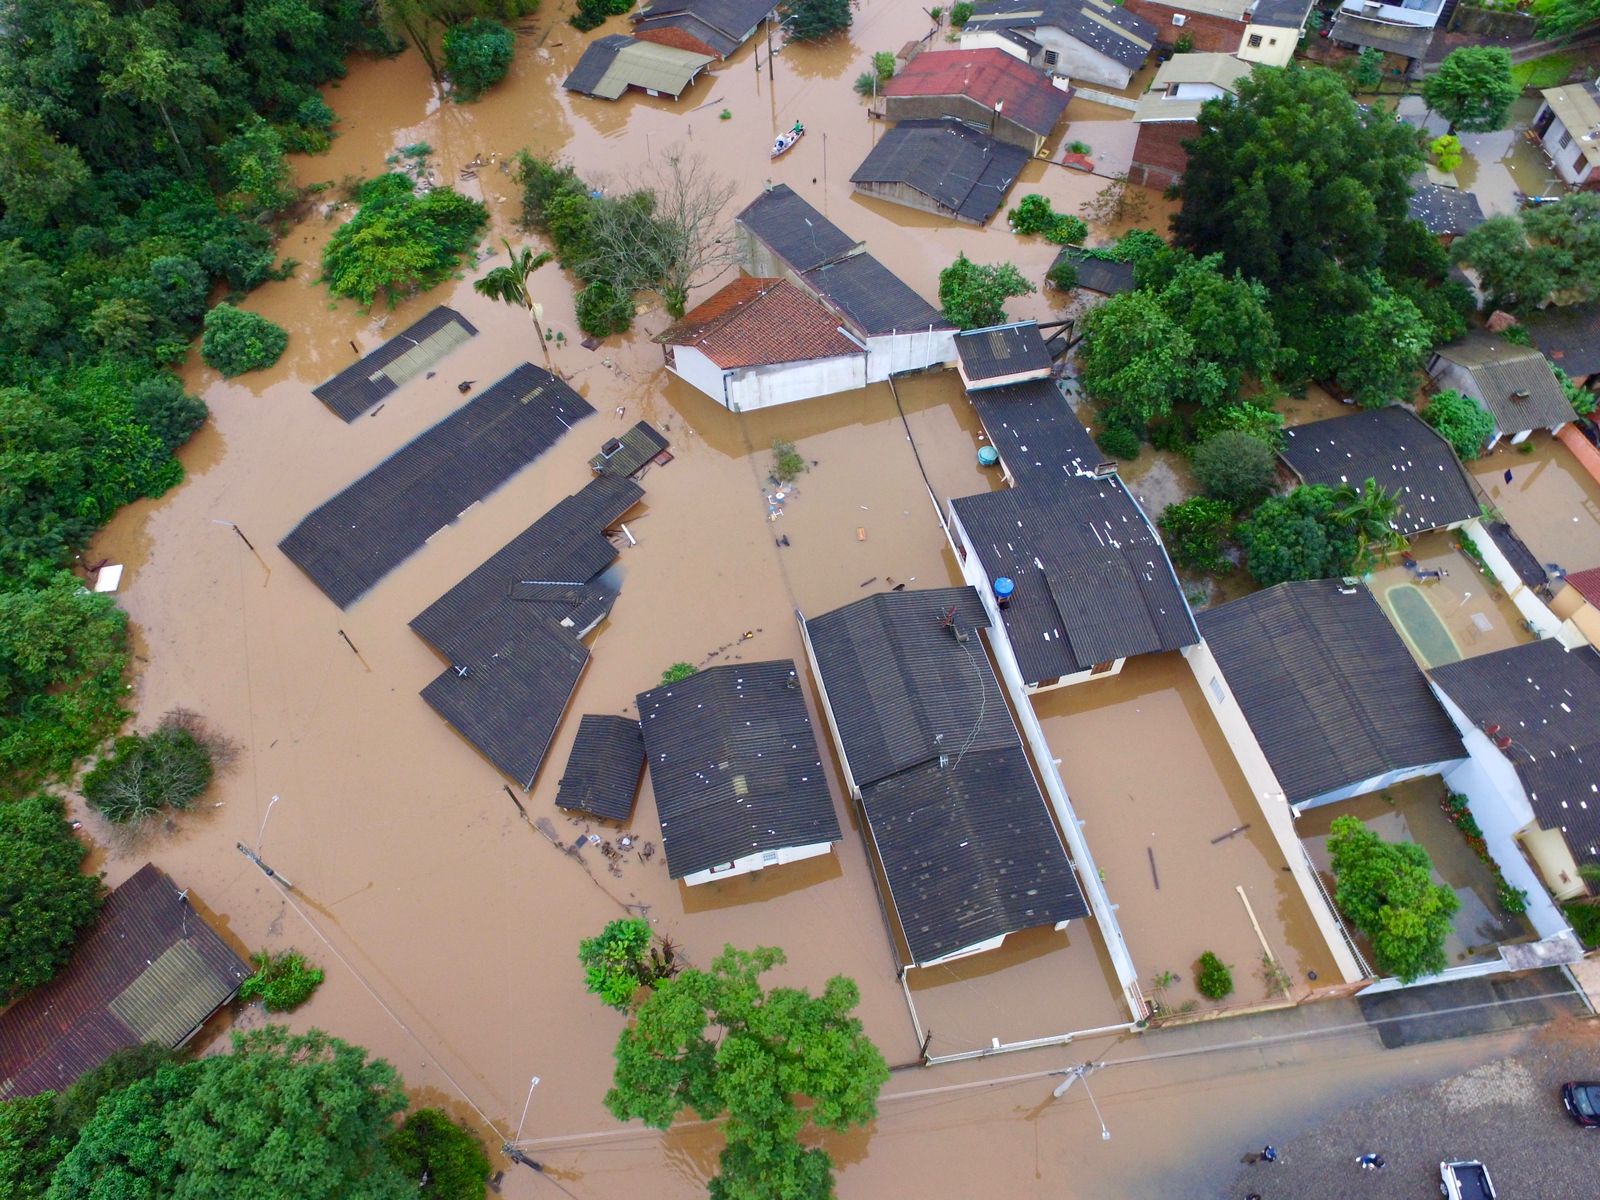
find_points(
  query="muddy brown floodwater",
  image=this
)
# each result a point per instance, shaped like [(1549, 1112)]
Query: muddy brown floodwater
[(400, 840)]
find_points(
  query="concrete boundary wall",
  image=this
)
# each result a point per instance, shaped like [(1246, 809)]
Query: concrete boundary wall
[(1534, 610)]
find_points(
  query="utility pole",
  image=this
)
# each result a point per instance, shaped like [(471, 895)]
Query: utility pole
[(1082, 1072), (265, 870)]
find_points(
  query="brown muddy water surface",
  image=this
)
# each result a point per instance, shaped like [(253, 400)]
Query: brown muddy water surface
[(401, 841)]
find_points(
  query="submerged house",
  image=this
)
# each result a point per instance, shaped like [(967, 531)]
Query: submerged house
[(1513, 384), (1568, 128), (1091, 273), (954, 817), (1089, 41), (1397, 449), (1169, 113), (149, 969), (715, 27), (1069, 565), (612, 64), (816, 314), (737, 775), (986, 89), (944, 167)]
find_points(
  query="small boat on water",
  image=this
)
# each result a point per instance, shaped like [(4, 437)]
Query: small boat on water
[(786, 141)]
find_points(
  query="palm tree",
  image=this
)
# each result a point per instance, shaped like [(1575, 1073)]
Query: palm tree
[(1370, 513), (510, 286)]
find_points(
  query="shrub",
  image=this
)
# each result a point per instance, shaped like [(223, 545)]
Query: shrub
[(1212, 977), (1063, 274), (787, 462), (1077, 147), (236, 341), (1257, 417), (973, 295), (400, 243), (677, 672), (1387, 891), (1194, 530), (1235, 467), (1513, 900), (883, 65), (592, 13), (1461, 422), (602, 310), (445, 1160), (1034, 215), (961, 13), (477, 56), (1118, 440), (169, 768), (866, 84), (1446, 151), (1582, 400), (1585, 921), (282, 981), (621, 960)]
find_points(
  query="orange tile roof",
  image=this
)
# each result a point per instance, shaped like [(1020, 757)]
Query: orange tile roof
[(667, 35), (760, 322), (1588, 584)]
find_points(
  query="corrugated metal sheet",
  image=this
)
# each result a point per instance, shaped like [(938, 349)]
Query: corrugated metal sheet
[(56, 1032), (794, 230), (603, 769), (872, 298), (1003, 350), (639, 445), (403, 357), (363, 533), (967, 172), (1330, 691), (734, 766)]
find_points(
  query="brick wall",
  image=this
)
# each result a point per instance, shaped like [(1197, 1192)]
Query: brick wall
[(1158, 154), (1205, 31)]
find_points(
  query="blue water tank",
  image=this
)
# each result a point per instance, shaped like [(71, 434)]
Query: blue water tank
[(1003, 587), (988, 456)]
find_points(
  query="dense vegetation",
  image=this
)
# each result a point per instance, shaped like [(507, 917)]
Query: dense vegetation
[(1387, 891), (444, 1159), (236, 340), (973, 295), (720, 1044), (1549, 249), (1461, 421), (282, 981), (1472, 89), (623, 958), (1034, 215), (809, 20), (44, 896), (477, 55), (400, 242)]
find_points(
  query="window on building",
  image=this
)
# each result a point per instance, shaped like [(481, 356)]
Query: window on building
[(1102, 668), (1050, 58), (1566, 140), (1255, 41)]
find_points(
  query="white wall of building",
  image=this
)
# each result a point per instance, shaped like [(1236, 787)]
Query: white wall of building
[(1080, 63), (1564, 149), (1195, 91), (757, 862), (985, 39), (747, 388), (914, 350), (1533, 608), (1423, 13), (1275, 48), (1377, 783)]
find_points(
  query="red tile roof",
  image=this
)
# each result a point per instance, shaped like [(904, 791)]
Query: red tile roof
[(667, 35), (1588, 584), (987, 76), (759, 322)]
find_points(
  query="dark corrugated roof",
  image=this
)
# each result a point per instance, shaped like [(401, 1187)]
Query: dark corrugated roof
[(1280, 14), (1500, 369), (732, 17), (566, 546), (1529, 569), (411, 351), (1396, 448), (1445, 210), (596, 61), (376, 523), (1546, 699), (1002, 350), (793, 230), (1093, 582), (148, 957), (964, 171), (1097, 274), (638, 446), (511, 677), (1039, 437), (1104, 27), (734, 766), (871, 298), (1407, 41), (1569, 335), (970, 852), (902, 689), (603, 769), (988, 76), (1329, 689)]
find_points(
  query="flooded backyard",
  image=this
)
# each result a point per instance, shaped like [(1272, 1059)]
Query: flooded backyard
[(1550, 500), (1458, 614)]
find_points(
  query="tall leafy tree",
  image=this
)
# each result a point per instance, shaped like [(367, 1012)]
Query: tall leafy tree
[(45, 899), (1568, 231), (1369, 512), (40, 176), (1563, 18), (1378, 349), (1227, 316), (1387, 891), (1472, 89), (509, 285), (973, 295), (30, 1146), (720, 1044), (1135, 360), (810, 20), (1512, 274), (1296, 537), (1461, 421)]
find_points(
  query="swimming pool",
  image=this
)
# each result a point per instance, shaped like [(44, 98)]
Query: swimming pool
[(1421, 626)]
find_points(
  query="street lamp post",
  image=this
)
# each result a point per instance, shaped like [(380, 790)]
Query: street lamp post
[(1073, 1075)]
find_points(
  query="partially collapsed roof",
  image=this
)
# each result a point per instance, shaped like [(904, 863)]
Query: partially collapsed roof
[(611, 65), (1330, 691), (150, 969), (1104, 275), (353, 540), (1001, 352), (992, 78), (1445, 211), (760, 322), (1514, 382), (957, 167), (1394, 447), (602, 776), (402, 358), (1538, 703), (734, 766), (1106, 28)]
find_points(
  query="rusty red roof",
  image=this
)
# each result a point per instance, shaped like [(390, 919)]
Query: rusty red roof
[(989, 77), (1588, 584), (668, 35), (148, 969), (757, 322)]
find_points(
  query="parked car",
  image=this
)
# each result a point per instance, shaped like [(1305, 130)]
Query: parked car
[(1467, 1179), (1582, 1102)]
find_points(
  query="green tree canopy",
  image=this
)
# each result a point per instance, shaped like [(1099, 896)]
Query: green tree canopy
[(1461, 421), (44, 897), (1472, 89), (718, 1043), (621, 960), (1563, 18), (1569, 231), (1381, 347), (1135, 360), (973, 295), (1296, 537), (444, 1159), (237, 340), (477, 56), (1228, 317), (400, 243), (1387, 891), (1194, 531), (30, 1146), (1512, 274), (1236, 468), (40, 176), (1370, 513), (810, 20)]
